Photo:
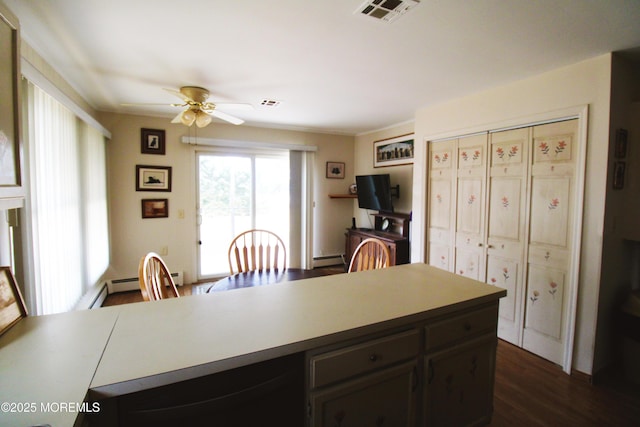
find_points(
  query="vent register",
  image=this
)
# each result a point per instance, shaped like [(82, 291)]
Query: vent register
[(386, 10)]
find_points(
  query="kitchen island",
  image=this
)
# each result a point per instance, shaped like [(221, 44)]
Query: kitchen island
[(334, 341)]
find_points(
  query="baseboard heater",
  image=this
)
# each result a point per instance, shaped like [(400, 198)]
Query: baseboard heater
[(132, 284), (329, 260)]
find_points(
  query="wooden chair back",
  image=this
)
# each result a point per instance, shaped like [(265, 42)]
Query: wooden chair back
[(155, 279), (256, 250), (370, 254)]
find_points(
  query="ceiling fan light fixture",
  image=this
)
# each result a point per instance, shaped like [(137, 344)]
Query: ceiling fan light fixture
[(188, 117), (202, 119)]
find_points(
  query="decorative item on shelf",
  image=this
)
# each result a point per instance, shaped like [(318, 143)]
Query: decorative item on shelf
[(335, 170), (353, 189), (155, 208), (393, 151), (152, 141), (385, 224), (153, 178)]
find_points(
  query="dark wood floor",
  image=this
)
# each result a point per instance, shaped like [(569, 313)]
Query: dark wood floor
[(531, 391)]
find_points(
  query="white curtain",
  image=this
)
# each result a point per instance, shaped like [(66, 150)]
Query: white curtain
[(66, 206)]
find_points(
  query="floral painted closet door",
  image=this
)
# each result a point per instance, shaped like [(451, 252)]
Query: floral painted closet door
[(551, 234), (441, 198), (471, 186), (506, 228)]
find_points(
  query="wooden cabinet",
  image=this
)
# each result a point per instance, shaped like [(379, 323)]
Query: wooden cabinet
[(440, 373), (459, 367), (391, 228), (459, 384), (371, 383)]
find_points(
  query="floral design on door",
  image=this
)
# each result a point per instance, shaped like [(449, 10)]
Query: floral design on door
[(507, 152), (470, 156), (552, 148), (441, 159), (544, 302), (502, 272)]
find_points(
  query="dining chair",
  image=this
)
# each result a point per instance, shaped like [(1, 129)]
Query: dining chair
[(155, 278), (256, 250), (370, 254)]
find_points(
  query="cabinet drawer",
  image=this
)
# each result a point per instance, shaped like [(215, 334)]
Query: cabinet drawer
[(354, 360), (451, 330)]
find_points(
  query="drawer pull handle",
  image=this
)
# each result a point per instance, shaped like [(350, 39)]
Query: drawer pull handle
[(467, 326), (373, 357)]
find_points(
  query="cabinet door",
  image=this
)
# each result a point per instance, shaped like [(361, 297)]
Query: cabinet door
[(353, 240), (471, 187), (506, 227), (441, 204), (552, 233), (385, 398), (459, 384)]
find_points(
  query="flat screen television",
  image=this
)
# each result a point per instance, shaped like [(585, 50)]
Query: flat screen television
[(374, 192)]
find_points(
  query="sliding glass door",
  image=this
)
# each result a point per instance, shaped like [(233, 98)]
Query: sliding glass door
[(238, 192)]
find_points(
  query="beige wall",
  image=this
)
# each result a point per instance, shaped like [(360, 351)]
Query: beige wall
[(132, 236), (400, 175), (568, 88)]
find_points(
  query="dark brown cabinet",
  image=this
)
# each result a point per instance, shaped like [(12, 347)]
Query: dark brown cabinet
[(393, 229)]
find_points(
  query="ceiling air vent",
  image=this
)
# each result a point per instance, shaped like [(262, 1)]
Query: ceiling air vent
[(269, 103), (386, 10)]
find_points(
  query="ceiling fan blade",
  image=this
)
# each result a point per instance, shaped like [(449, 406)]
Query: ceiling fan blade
[(233, 106), (176, 119), (226, 117), (140, 104), (178, 94)]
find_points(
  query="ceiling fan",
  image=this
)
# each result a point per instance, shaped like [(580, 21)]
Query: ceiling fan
[(198, 110)]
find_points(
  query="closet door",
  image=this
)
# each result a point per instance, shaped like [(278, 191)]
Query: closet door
[(551, 233), (470, 188), (441, 204), (506, 228)]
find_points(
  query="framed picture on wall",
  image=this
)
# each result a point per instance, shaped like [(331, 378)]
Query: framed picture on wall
[(618, 175), (12, 307), (9, 111), (621, 144), (155, 208), (152, 141), (153, 178), (335, 170), (393, 151)]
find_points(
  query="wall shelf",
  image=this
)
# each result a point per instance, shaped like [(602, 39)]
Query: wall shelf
[(343, 196)]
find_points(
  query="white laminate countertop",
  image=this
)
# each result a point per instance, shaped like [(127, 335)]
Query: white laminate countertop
[(194, 336), (47, 362), (118, 350)]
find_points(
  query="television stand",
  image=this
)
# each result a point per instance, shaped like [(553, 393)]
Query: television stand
[(391, 228)]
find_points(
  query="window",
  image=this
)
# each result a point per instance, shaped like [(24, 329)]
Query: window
[(66, 236)]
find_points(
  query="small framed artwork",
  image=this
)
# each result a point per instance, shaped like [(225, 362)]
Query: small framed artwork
[(621, 144), (393, 151), (152, 141), (155, 208), (618, 175), (153, 178), (335, 170), (12, 307)]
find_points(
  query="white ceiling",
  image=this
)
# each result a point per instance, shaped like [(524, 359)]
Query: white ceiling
[(333, 70)]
